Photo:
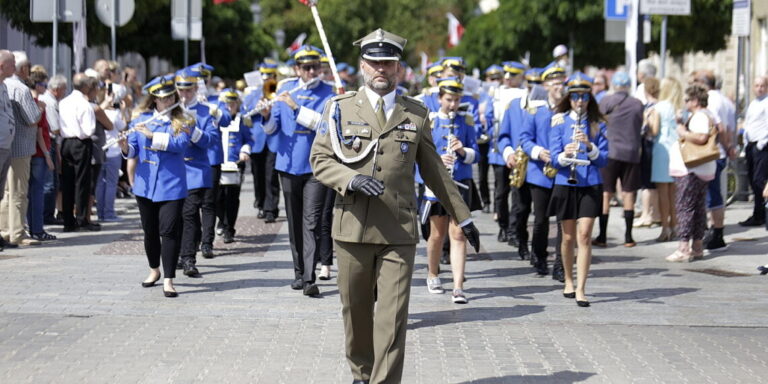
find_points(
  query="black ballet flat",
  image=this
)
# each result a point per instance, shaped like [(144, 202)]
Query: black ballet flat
[(150, 284), (763, 269), (170, 293), (571, 295), (582, 303)]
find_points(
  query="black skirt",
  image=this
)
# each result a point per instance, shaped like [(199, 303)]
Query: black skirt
[(470, 196), (571, 203)]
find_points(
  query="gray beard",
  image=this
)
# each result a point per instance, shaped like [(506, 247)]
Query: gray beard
[(389, 87)]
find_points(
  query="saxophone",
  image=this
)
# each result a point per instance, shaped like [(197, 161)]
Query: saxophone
[(517, 177)]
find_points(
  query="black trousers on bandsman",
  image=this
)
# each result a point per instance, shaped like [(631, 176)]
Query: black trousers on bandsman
[(266, 184), (209, 207), (191, 222)]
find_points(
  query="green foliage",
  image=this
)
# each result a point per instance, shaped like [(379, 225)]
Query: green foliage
[(706, 29), (228, 29)]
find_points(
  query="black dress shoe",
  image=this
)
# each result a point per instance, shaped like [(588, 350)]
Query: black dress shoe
[(93, 227), (570, 295), (512, 239), (6, 245), (207, 251), (261, 214), (558, 274), (269, 217), (763, 270), (311, 289), (752, 222), (503, 236), (191, 271), (297, 284), (523, 251), (445, 258), (170, 293), (582, 303), (228, 238), (487, 208), (360, 381), (72, 228)]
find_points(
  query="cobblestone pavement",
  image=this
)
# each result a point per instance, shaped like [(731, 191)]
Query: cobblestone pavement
[(72, 311)]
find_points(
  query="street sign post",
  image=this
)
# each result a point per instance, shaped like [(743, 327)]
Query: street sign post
[(616, 9), (186, 23), (113, 14), (55, 11)]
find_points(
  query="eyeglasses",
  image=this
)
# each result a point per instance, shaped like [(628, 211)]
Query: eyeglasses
[(309, 67), (580, 96), (44, 85)]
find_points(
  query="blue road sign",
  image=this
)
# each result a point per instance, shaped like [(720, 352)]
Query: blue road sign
[(616, 9)]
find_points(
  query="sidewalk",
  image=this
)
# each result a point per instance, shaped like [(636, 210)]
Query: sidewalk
[(73, 311)]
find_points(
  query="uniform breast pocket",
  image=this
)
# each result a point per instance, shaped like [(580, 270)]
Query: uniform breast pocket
[(406, 147)]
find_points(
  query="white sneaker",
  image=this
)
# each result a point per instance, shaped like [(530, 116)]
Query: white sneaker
[(325, 272), (458, 297), (434, 285)]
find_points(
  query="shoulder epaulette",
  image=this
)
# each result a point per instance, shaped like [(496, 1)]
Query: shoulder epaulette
[(416, 102), (344, 95), (469, 120), (136, 113), (557, 119), (283, 81)]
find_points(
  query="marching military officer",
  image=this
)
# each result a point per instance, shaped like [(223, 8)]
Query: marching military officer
[(236, 141), (293, 119), (198, 168), (160, 136), (366, 151), (266, 185)]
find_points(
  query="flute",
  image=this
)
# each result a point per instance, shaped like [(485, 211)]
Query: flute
[(114, 141), (269, 103)]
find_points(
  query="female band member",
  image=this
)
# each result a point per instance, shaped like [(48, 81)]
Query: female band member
[(455, 141), (578, 133), (159, 138), (236, 138)]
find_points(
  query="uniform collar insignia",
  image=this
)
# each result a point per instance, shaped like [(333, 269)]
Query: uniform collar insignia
[(407, 126)]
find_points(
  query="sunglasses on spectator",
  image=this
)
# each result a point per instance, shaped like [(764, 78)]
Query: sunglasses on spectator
[(580, 96), (309, 67), (44, 85)]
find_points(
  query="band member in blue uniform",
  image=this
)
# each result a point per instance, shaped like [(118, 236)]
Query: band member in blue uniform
[(534, 139), (160, 137), (578, 149), (198, 168), (293, 119), (215, 158), (455, 141), (236, 141), (266, 185)]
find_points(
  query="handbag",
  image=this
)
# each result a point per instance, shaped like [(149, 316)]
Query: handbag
[(698, 154)]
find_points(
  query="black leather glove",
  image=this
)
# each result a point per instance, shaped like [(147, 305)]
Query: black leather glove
[(472, 235), (367, 185)]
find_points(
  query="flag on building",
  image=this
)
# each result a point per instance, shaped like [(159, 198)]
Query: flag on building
[(455, 30), (216, 2)]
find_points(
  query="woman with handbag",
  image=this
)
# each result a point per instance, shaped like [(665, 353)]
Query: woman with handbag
[(692, 165)]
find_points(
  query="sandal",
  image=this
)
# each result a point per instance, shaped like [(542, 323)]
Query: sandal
[(42, 236), (679, 257)]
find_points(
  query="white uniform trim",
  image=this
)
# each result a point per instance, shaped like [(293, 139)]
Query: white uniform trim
[(160, 141), (593, 153), (536, 151), (309, 118), (196, 135), (469, 155), (508, 151)]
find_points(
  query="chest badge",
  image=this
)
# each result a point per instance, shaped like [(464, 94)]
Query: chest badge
[(356, 144), (404, 147)]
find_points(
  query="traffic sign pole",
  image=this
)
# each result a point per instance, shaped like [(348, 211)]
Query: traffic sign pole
[(663, 45), (55, 37), (189, 31), (113, 30)]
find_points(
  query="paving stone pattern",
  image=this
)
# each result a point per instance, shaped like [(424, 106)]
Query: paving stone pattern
[(73, 311)]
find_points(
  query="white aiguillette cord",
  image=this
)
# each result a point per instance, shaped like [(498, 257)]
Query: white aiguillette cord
[(332, 130)]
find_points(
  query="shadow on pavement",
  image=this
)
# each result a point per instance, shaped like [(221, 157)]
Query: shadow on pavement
[(231, 285), (557, 377), (470, 314), (650, 295), (626, 272), (520, 292)]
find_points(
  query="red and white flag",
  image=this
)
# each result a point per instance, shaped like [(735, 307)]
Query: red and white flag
[(217, 2), (308, 3), (455, 30), (297, 43)]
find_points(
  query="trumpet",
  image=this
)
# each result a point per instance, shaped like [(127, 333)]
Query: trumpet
[(572, 159), (269, 88), (264, 105), (114, 141)]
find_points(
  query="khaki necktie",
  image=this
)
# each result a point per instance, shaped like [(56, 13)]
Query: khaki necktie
[(380, 115)]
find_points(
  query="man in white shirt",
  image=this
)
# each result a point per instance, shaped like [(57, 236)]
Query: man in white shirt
[(57, 89), (7, 124), (756, 137), (78, 124)]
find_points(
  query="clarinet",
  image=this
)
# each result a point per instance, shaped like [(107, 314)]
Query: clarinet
[(452, 153), (573, 160), (112, 142)]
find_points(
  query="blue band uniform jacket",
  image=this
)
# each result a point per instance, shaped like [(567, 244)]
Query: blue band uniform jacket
[(353, 143), (562, 134), (202, 137), (464, 132), (160, 173), (295, 130), (534, 137)]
